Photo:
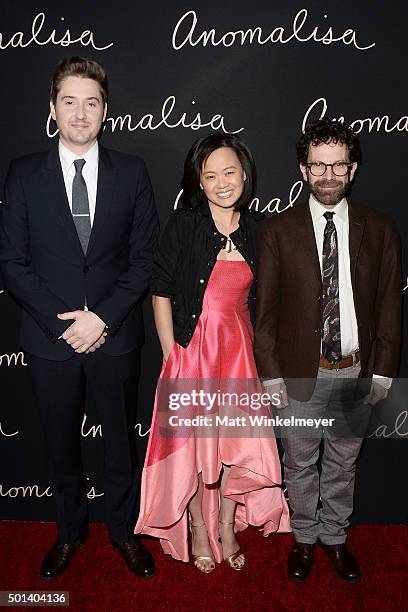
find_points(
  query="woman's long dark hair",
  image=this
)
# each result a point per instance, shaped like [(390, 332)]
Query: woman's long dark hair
[(193, 196)]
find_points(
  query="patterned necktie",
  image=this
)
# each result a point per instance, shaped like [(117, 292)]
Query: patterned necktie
[(331, 339), (80, 205)]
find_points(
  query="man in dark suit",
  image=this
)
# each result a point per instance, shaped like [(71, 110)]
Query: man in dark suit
[(328, 316), (78, 231)]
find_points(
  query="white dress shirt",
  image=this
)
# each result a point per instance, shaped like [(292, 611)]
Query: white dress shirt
[(348, 321), (89, 172)]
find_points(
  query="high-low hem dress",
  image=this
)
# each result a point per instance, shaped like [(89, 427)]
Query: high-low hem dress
[(221, 349)]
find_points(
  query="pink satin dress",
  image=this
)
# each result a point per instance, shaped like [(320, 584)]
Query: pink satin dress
[(221, 349)]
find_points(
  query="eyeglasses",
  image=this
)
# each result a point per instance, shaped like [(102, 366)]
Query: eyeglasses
[(339, 168)]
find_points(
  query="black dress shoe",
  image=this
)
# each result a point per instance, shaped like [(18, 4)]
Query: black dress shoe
[(344, 563), (137, 557), (300, 561), (57, 559)]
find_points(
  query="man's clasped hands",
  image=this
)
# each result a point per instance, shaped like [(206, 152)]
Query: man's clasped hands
[(87, 332)]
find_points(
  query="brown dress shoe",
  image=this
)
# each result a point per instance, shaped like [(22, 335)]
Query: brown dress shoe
[(57, 559), (344, 563), (300, 561), (138, 558)]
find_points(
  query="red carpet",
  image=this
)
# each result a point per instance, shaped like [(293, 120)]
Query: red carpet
[(98, 579)]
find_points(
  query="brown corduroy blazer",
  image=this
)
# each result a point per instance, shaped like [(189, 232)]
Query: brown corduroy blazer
[(289, 313)]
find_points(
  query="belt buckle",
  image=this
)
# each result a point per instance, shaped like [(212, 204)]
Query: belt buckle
[(338, 365)]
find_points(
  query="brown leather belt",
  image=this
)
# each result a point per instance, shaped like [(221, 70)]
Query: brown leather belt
[(343, 362)]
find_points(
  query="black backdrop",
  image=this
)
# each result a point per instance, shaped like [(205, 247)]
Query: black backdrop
[(178, 71)]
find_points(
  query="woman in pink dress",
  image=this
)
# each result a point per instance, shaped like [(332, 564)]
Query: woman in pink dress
[(199, 473)]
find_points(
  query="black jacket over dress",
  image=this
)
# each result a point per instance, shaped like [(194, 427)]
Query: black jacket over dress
[(187, 252)]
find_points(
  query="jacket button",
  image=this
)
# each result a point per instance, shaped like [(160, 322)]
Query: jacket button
[(317, 330), (193, 316), (202, 280), (86, 268)]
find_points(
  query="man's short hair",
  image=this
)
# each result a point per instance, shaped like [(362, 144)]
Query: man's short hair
[(78, 67), (325, 131)]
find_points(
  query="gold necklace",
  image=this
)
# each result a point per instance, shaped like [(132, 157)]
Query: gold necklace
[(229, 246)]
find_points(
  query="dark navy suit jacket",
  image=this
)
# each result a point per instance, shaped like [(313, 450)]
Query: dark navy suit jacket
[(42, 263)]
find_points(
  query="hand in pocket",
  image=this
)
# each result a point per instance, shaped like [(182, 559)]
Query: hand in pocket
[(167, 352)]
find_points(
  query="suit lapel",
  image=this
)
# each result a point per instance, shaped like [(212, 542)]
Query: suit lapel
[(104, 195), (307, 240), (356, 231), (56, 196)]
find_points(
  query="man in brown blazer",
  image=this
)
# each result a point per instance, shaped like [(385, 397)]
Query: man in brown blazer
[(328, 317)]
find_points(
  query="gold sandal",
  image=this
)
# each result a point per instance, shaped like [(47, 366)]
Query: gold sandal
[(197, 558), (230, 560)]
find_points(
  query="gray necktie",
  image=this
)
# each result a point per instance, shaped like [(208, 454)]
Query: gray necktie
[(80, 205)]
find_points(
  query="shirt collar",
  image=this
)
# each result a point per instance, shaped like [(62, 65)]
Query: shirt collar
[(67, 157), (317, 210)]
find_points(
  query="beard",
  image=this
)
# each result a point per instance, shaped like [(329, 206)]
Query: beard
[(329, 198)]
